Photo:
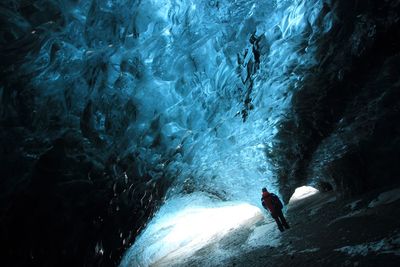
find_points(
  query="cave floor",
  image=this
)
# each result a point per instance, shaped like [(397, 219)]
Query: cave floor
[(328, 231)]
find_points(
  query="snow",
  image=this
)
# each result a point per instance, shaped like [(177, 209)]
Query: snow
[(303, 192), (314, 211), (182, 227), (354, 204), (386, 245), (316, 207), (264, 235), (385, 198), (349, 215), (310, 250)]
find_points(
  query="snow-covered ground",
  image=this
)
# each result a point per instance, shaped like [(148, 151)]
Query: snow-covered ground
[(385, 198), (188, 224), (386, 245), (324, 229)]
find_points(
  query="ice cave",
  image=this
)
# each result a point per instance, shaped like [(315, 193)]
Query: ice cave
[(141, 132)]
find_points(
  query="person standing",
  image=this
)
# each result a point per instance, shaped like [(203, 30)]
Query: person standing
[(272, 203)]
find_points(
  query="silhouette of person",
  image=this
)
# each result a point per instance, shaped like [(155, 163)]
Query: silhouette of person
[(272, 203)]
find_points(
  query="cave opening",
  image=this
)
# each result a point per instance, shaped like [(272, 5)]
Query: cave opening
[(303, 192)]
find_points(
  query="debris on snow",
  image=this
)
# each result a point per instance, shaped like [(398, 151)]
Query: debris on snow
[(354, 204), (310, 250), (351, 214), (386, 245), (386, 198), (264, 235)]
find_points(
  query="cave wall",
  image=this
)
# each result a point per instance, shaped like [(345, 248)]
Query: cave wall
[(342, 126), (70, 194)]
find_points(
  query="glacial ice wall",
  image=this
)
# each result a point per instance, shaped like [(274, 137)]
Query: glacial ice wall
[(193, 89)]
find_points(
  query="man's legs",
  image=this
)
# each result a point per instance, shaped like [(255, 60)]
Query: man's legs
[(278, 222), (283, 220)]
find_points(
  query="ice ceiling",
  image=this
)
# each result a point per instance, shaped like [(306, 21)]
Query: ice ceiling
[(209, 82)]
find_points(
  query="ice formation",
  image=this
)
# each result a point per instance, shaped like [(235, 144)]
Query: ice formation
[(303, 192), (129, 106), (220, 79)]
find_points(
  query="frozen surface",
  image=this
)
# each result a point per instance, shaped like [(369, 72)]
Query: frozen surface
[(264, 235), (386, 245), (186, 225), (303, 192), (310, 250), (385, 198), (353, 205)]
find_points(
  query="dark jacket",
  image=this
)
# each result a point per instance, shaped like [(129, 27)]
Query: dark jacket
[(271, 202)]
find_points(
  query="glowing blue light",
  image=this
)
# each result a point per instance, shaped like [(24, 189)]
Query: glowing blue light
[(178, 234)]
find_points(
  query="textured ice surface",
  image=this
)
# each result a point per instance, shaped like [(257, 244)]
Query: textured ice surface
[(195, 91)]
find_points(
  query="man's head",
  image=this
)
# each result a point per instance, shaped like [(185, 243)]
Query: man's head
[(264, 189)]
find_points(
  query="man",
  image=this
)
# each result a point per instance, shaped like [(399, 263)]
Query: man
[(272, 202)]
